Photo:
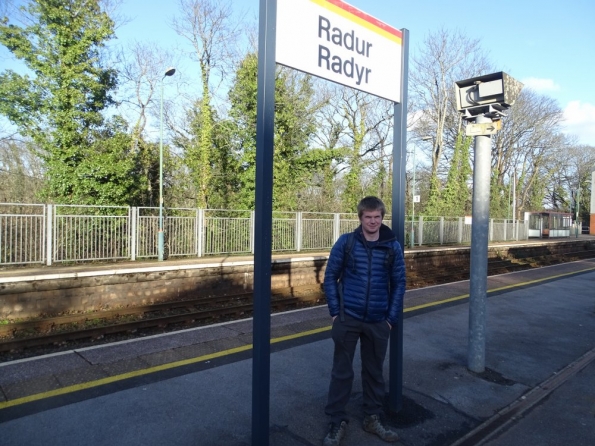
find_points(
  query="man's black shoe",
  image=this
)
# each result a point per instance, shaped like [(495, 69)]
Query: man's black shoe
[(374, 425), (335, 434)]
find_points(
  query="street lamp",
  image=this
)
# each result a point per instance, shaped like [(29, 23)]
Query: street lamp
[(160, 237), (412, 238), (577, 206), (413, 196)]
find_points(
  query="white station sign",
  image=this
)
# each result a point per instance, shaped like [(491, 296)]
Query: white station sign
[(336, 41)]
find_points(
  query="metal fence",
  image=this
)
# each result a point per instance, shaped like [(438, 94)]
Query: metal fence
[(35, 233)]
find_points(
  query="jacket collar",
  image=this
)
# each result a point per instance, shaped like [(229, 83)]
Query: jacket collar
[(385, 233)]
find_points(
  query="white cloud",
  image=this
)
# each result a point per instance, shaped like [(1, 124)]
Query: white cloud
[(540, 85), (580, 121)]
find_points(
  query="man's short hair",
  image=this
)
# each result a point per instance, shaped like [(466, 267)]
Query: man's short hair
[(370, 203)]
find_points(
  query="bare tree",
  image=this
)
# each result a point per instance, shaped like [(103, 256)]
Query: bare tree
[(445, 57), (531, 148), (21, 173), (209, 26), (143, 68)]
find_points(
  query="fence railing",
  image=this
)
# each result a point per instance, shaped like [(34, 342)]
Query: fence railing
[(36, 233)]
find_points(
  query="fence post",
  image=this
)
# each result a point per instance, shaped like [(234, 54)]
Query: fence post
[(132, 214), (441, 230), (200, 229), (298, 231), (252, 232), (336, 227), (491, 231), (460, 236), (420, 231), (49, 235)]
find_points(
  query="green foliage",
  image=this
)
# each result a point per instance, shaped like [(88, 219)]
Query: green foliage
[(59, 105), (455, 198), (200, 150), (433, 206), (294, 125)]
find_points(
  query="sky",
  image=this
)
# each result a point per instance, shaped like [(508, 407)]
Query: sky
[(546, 44)]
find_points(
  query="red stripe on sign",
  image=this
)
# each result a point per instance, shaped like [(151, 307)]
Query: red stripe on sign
[(368, 18)]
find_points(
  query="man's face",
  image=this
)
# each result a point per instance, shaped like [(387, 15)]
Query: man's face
[(371, 221)]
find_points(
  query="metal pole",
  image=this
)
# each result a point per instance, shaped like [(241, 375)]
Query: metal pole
[(479, 250), (160, 232), (514, 221), (509, 193), (395, 400), (160, 239), (592, 205), (413, 202), (263, 221), (578, 206)]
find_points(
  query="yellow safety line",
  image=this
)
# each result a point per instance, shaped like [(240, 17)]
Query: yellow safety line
[(493, 290), (172, 365)]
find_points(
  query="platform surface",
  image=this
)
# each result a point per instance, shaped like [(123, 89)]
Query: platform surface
[(195, 387)]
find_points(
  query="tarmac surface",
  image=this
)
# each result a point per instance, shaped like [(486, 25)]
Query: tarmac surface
[(194, 387)]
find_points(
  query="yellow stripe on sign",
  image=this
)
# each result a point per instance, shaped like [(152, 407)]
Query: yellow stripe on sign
[(358, 20)]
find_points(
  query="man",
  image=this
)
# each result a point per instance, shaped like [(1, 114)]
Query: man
[(364, 285)]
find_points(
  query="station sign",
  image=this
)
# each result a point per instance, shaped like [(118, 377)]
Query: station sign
[(336, 41)]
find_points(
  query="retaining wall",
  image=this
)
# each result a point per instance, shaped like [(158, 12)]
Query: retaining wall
[(52, 294)]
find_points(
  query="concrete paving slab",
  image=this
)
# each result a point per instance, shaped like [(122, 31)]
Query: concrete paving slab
[(138, 347), (163, 357), (123, 366), (219, 345), (22, 370), (194, 351), (80, 375), (22, 389)]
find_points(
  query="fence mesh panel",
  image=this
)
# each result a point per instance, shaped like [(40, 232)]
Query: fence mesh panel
[(89, 233), (22, 234), (227, 232), (86, 233)]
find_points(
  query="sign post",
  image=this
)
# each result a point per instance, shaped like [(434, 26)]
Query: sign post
[(338, 42), (263, 219)]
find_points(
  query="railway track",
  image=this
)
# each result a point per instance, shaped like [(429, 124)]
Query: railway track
[(59, 332), (97, 325)]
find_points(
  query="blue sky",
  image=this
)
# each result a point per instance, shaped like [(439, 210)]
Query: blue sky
[(547, 45)]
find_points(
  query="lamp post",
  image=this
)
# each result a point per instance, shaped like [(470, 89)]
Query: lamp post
[(592, 206), (413, 202), (160, 237), (577, 206), (413, 196)]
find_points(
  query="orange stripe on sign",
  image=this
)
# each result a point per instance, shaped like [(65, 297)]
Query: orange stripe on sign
[(361, 18)]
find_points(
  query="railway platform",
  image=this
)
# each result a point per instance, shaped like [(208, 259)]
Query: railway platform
[(193, 387)]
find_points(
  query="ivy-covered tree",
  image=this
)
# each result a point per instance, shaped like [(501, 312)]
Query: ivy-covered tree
[(59, 101), (209, 26), (294, 164)]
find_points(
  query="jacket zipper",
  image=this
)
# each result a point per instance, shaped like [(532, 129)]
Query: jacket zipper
[(369, 252)]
